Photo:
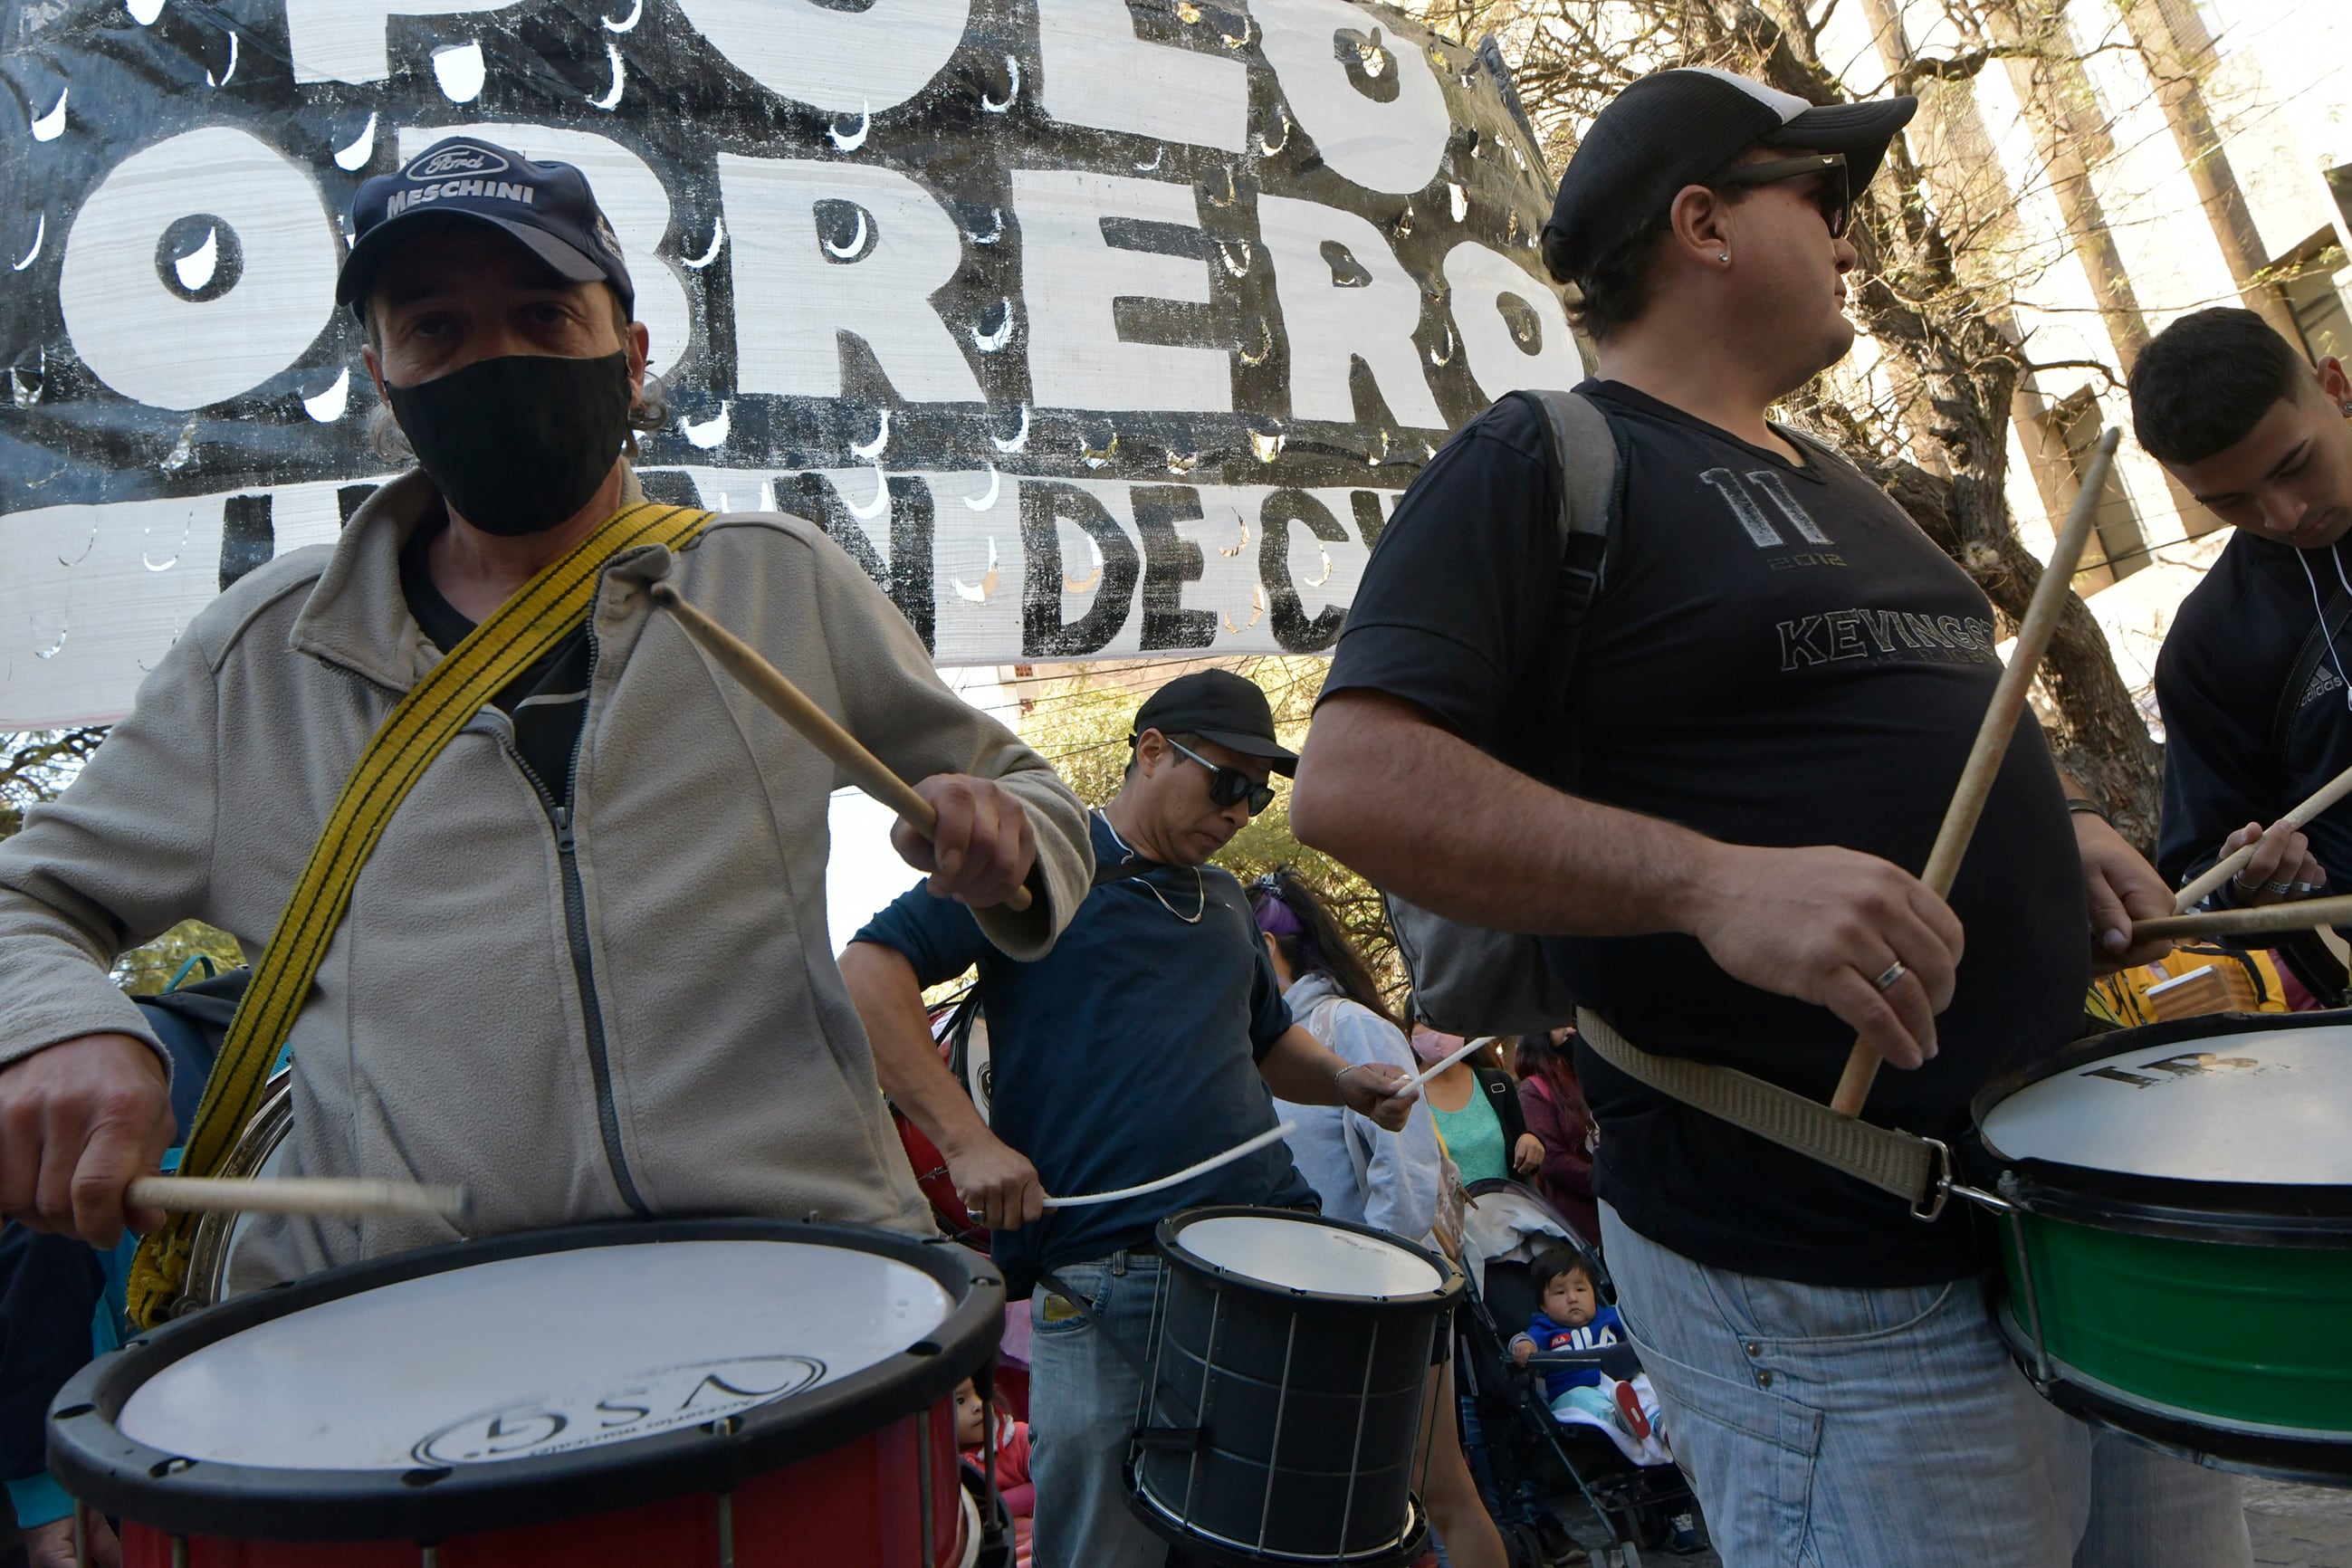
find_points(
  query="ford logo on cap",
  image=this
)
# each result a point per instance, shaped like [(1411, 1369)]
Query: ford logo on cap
[(460, 160)]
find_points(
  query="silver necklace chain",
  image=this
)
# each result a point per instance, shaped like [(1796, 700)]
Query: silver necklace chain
[(1199, 887)]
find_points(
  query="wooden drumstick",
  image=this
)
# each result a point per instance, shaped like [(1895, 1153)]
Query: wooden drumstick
[(2033, 634), (789, 703), (2300, 914), (2328, 795), (331, 1197)]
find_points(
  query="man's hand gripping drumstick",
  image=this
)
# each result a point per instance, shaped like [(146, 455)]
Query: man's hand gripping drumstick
[(973, 839)]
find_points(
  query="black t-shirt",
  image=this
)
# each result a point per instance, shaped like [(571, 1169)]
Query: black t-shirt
[(547, 703), (1777, 656)]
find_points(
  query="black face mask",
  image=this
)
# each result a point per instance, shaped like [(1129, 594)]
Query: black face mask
[(518, 444)]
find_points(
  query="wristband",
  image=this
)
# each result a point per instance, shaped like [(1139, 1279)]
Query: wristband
[(2077, 803)]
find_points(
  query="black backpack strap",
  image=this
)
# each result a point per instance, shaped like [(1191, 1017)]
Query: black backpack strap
[(1587, 459)]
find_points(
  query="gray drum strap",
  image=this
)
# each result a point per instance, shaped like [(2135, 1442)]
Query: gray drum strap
[(1914, 1169)]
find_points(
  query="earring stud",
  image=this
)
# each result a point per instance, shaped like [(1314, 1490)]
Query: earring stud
[(1725, 257)]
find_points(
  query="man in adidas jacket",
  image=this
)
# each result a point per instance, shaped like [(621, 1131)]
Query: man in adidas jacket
[(1774, 693), (585, 971)]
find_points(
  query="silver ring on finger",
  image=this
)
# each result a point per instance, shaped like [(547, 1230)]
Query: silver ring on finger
[(1893, 972), (2278, 886), (2304, 890)]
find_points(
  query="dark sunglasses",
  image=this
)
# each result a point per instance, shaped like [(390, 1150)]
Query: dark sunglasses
[(1227, 786), (1832, 197)]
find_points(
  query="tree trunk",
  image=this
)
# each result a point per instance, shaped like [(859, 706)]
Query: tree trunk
[(2173, 42)]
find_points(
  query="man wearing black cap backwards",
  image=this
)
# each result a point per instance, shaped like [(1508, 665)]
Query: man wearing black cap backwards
[(1774, 691), (584, 972), (1152, 1038)]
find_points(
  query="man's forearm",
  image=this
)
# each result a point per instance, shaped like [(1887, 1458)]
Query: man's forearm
[(1298, 1069), (906, 1059), (1503, 850)]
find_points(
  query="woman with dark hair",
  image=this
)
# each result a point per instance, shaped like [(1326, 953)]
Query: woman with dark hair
[(1553, 1102), (1386, 1180), (1364, 1174)]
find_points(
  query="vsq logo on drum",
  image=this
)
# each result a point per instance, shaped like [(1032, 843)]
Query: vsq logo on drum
[(453, 160), (620, 1409)]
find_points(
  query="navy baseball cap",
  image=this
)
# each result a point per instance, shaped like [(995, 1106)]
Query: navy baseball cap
[(1220, 706), (547, 207), (1683, 127)]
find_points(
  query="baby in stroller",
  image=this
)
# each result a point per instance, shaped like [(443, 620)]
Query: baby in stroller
[(1570, 1316)]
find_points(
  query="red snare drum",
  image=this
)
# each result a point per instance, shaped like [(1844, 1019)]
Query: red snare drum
[(719, 1393)]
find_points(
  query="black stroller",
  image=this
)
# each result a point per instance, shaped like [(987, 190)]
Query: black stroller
[(1526, 1462)]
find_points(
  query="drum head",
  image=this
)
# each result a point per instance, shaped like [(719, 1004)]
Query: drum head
[(505, 1383), (1300, 1254), (2260, 1106)]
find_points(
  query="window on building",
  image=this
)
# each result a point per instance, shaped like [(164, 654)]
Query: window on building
[(2119, 544)]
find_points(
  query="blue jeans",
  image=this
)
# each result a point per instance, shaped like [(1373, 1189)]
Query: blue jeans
[(1083, 1400), (1828, 1427)]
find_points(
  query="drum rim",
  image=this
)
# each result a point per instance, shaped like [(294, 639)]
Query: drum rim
[(2320, 1459), (103, 1466), (2249, 1213), (1154, 1516), (1449, 1275)]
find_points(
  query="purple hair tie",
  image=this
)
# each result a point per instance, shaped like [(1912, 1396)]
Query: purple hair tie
[(1273, 915)]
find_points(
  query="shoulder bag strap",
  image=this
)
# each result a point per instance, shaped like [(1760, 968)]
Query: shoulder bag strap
[(2307, 661), (518, 634)]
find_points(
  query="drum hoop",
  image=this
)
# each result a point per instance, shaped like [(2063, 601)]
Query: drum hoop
[(2292, 1453), (104, 1467), (2254, 1213), (1449, 1277), (1155, 1516), (2229, 1213), (208, 1255)]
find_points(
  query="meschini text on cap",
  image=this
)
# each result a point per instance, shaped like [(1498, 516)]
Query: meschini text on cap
[(498, 190)]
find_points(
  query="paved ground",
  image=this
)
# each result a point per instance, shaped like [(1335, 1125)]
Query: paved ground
[(2299, 1527)]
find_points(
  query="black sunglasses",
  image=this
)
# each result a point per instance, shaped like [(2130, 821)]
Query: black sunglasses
[(1227, 786), (1832, 196)]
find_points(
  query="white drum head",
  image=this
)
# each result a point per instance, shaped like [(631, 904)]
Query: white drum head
[(531, 1356), (1306, 1254), (2269, 1105)]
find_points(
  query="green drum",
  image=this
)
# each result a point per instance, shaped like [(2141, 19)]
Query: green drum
[(2174, 1210)]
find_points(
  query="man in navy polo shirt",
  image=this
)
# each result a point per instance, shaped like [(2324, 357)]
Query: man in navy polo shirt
[(1152, 1038)]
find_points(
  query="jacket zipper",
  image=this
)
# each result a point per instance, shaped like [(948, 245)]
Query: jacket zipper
[(575, 922), (584, 970), (584, 966)]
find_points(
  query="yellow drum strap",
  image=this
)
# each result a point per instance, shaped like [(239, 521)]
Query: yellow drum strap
[(518, 634)]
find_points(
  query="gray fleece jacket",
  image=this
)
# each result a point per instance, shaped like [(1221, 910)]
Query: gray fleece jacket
[(650, 1023)]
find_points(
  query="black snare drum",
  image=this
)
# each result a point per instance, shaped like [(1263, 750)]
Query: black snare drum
[(1290, 1357)]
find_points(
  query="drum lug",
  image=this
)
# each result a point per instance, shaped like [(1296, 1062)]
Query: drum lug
[(1184, 1439), (727, 1530)]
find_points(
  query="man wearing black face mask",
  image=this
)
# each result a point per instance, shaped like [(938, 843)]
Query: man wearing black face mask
[(585, 973)]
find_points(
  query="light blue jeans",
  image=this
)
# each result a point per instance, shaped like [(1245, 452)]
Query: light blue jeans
[(1083, 1398), (1827, 1427)]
